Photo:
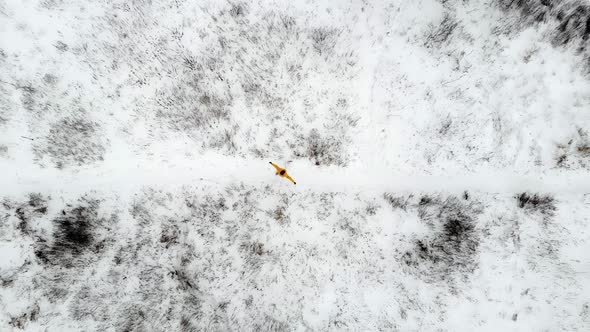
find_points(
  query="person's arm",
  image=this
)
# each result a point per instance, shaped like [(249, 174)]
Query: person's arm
[(275, 166), (290, 178)]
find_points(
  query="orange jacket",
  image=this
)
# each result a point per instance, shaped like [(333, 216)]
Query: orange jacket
[(282, 172)]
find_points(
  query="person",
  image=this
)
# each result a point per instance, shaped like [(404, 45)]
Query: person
[(282, 172)]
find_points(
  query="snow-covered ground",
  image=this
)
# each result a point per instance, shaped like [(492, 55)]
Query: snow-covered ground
[(441, 151)]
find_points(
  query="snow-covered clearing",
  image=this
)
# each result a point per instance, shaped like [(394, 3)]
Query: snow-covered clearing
[(441, 151)]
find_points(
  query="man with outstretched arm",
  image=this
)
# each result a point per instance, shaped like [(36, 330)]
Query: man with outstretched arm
[(282, 172)]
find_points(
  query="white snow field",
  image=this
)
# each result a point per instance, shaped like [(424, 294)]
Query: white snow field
[(441, 151)]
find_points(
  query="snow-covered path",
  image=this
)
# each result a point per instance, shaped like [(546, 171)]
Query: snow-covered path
[(214, 169)]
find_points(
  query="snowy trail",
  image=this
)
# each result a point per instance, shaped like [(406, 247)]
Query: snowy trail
[(215, 170)]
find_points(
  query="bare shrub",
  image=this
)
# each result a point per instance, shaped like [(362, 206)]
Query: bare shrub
[(537, 203), (238, 10), (185, 110), (225, 139), (536, 10), (438, 35), (574, 25), (31, 315), (323, 150), (254, 254), (397, 202), (207, 209), (454, 245), (35, 207), (575, 152), (72, 142), (324, 39), (280, 214), (570, 19), (169, 235), (74, 236), (271, 324)]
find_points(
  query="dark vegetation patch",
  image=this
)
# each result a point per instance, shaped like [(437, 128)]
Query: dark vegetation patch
[(397, 202), (37, 201), (208, 208), (141, 213), (535, 10), (349, 225), (254, 254), (29, 97), (321, 149), (31, 315), (35, 207), (7, 280), (271, 324), (575, 153), (264, 64), (238, 10), (6, 107), (253, 248), (570, 20), (324, 39), (438, 35), (225, 139), (74, 235), (170, 233), (132, 317), (186, 110), (50, 79), (545, 205), (425, 200), (85, 304), (371, 208), (166, 290), (446, 125), (185, 282), (73, 141), (61, 46), (186, 325), (280, 214), (453, 246), (326, 204), (28, 94)]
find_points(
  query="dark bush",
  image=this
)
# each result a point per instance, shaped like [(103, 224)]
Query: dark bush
[(397, 202), (438, 35), (453, 246), (72, 142), (323, 150), (35, 207), (280, 214), (20, 322), (536, 203), (170, 233), (575, 153), (324, 39), (73, 236), (238, 10), (571, 19)]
